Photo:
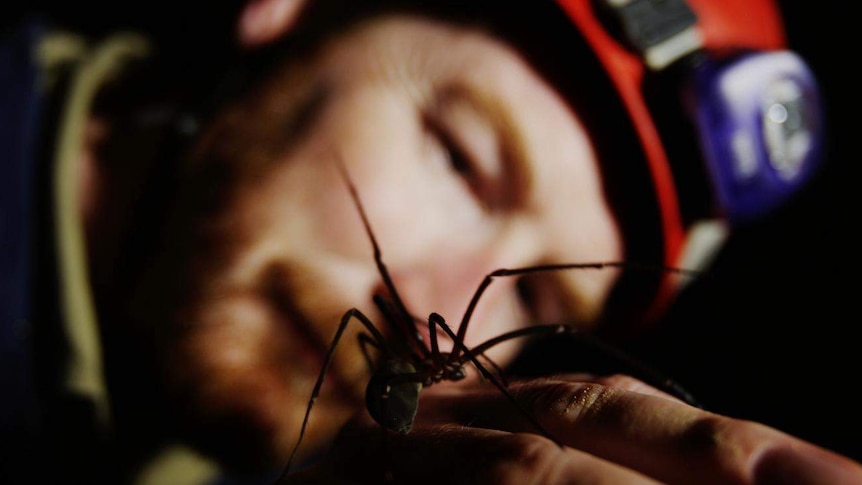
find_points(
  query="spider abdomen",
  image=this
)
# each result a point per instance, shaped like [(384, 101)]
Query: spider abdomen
[(392, 395)]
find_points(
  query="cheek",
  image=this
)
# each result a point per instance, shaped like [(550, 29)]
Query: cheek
[(244, 372), (228, 355), (235, 334)]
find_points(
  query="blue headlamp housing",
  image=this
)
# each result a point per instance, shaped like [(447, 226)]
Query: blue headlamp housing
[(760, 124)]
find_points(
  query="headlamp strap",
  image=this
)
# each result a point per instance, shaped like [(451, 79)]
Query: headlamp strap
[(660, 31)]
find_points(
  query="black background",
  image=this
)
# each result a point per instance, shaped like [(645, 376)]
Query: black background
[(771, 336)]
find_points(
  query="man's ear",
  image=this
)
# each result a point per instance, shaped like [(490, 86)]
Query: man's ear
[(263, 21)]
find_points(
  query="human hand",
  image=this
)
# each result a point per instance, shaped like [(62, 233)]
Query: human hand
[(615, 430)]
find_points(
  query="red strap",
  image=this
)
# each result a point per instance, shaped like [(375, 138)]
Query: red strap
[(724, 24)]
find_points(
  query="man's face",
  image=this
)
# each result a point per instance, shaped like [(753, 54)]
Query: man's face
[(465, 161)]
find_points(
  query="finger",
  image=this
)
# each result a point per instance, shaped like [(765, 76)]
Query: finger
[(450, 396), (660, 437), (455, 454), (620, 381), (263, 21)]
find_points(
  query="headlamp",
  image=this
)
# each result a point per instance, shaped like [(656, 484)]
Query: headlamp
[(753, 106)]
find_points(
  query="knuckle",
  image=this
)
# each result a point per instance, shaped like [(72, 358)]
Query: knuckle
[(524, 459), (729, 444), (704, 435), (713, 435)]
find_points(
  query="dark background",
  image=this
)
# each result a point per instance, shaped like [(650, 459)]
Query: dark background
[(771, 335)]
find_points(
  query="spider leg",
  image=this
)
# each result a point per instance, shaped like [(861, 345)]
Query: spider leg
[(366, 341), (391, 315), (380, 343), (639, 369), (435, 346), (403, 322), (438, 320), (486, 282), (497, 370), (522, 332)]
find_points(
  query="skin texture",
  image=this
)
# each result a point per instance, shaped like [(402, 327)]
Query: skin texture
[(616, 430), (483, 166)]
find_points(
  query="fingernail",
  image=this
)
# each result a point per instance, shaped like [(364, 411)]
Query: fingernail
[(808, 467)]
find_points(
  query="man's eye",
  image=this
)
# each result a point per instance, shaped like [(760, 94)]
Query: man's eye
[(458, 159), (460, 146), (451, 156)]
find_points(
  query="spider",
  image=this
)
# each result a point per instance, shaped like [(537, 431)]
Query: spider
[(409, 364)]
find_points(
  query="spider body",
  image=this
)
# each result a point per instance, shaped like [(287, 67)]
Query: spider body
[(408, 364), (392, 395)]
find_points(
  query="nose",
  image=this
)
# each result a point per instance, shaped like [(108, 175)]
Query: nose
[(445, 283), (443, 286)]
